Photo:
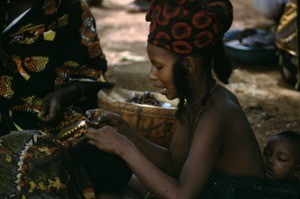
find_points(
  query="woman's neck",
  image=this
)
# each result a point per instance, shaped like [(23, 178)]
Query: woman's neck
[(198, 91)]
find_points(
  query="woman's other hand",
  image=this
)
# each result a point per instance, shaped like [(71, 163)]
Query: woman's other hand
[(108, 139), (98, 117)]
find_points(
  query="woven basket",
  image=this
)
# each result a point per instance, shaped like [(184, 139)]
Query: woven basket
[(155, 123)]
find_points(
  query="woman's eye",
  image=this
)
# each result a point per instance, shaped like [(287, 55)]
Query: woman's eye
[(158, 67)]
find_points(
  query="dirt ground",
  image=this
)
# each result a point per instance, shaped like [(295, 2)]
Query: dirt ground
[(270, 104)]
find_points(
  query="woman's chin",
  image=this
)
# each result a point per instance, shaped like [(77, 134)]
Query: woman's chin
[(170, 97)]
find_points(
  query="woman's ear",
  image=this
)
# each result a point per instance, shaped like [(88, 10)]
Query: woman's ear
[(190, 64)]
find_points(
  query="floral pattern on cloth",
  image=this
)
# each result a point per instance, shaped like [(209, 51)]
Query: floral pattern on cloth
[(33, 164)]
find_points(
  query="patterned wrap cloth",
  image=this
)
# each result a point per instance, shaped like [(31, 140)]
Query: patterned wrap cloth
[(34, 165), (187, 26), (37, 164)]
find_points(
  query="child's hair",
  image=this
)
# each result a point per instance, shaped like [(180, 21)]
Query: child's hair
[(291, 135), (294, 138)]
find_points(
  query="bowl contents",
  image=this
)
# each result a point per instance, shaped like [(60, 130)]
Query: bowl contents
[(147, 98)]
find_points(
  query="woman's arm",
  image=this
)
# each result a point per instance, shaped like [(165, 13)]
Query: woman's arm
[(159, 155), (196, 169)]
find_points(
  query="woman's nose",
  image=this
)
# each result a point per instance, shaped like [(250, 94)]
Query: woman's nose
[(152, 75)]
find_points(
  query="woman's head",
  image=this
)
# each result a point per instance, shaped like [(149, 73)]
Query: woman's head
[(281, 156), (171, 73), (188, 26), (189, 30), (192, 27)]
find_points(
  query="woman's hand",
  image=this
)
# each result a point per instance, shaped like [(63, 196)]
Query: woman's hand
[(98, 117), (108, 139)]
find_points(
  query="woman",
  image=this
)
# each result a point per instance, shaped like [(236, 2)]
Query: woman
[(214, 141)]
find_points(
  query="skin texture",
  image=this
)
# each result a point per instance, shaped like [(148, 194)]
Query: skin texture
[(281, 159), (223, 139)]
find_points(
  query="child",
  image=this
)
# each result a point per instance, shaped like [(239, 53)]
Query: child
[(214, 140), (281, 156)]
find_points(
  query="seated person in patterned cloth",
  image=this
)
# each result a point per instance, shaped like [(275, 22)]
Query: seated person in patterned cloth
[(214, 152), (50, 58), (51, 68), (281, 156)]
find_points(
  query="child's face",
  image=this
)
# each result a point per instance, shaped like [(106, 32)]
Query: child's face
[(161, 73), (280, 159)]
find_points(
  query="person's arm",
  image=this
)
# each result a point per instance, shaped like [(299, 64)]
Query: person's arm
[(158, 155), (83, 63), (195, 172)]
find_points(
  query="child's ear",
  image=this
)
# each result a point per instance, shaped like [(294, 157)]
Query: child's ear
[(190, 65)]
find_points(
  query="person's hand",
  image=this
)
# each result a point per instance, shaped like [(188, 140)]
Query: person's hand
[(54, 103), (97, 118), (108, 139), (93, 118), (51, 108)]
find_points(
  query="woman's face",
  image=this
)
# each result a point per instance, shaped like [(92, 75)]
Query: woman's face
[(161, 73), (280, 159)]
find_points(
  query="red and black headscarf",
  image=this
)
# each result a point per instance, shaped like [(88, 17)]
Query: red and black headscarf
[(188, 26)]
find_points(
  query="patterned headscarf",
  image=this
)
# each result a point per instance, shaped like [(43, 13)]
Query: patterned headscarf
[(188, 26)]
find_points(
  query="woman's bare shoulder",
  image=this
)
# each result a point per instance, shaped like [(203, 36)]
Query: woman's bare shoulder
[(223, 104)]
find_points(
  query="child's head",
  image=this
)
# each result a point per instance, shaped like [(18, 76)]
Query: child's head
[(281, 156)]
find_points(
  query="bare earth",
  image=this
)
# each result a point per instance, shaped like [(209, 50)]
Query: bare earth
[(270, 104)]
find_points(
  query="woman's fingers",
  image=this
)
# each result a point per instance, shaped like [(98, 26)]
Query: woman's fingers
[(100, 117), (103, 138), (92, 113)]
